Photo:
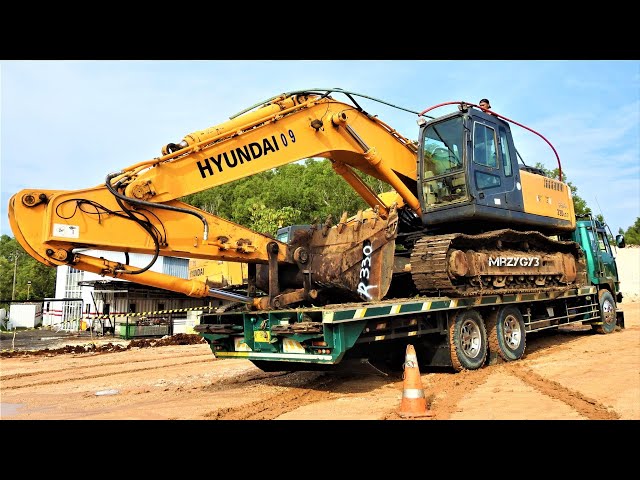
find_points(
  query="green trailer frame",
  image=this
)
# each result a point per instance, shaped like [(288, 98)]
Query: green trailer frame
[(316, 337)]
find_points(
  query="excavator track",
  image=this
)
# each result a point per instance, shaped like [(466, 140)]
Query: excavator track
[(498, 262)]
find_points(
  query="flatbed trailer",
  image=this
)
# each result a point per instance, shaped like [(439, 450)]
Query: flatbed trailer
[(462, 333)]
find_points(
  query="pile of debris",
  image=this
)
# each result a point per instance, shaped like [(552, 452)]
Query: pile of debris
[(177, 339)]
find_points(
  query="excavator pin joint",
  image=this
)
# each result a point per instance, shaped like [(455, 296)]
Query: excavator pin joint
[(60, 254), (30, 199)]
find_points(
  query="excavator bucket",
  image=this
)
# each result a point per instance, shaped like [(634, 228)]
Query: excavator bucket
[(356, 256)]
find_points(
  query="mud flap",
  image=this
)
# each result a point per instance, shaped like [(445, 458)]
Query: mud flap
[(493, 358), (620, 318)]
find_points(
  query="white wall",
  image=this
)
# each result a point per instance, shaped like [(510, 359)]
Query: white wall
[(25, 315), (628, 261)]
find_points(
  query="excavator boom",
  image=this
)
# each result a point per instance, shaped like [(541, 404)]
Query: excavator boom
[(138, 211), (458, 203)]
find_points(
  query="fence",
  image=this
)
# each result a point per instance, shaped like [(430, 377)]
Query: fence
[(143, 324)]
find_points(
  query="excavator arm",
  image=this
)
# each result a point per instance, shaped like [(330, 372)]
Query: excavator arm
[(137, 209)]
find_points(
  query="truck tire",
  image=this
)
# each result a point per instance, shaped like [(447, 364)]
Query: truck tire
[(607, 313), (506, 333), (467, 341)]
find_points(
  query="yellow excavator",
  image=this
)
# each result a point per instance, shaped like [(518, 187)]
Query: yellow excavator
[(462, 215)]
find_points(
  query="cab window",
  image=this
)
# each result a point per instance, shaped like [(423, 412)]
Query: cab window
[(505, 152), (603, 243), (486, 180), (484, 146), (442, 148)]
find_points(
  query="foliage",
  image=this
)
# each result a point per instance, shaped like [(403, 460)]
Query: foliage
[(292, 194), (267, 220), (632, 234), (13, 258)]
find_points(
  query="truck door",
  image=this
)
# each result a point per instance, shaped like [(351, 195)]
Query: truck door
[(495, 176), (608, 273)]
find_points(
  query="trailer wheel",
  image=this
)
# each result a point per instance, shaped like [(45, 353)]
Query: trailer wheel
[(467, 341), (506, 333), (607, 313)]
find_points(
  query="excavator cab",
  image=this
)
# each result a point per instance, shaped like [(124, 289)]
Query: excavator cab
[(468, 172), (489, 223)]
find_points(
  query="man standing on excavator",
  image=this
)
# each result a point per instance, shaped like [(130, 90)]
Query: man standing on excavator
[(484, 104)]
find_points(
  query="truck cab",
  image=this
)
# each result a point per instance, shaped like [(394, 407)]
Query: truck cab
[(602, 269), (286, 234)]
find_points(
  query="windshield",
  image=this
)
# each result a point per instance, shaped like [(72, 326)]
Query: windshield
[(443, 175), (442, 147)]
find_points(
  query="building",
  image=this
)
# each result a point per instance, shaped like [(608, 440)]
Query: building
[(85, 299)]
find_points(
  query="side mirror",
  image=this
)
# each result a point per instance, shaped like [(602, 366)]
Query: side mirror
[(620, 241)]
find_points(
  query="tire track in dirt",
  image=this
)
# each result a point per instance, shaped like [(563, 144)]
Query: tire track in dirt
[(92, 376), (547, 343), (291, 398), (582, 404), (237, 379), (97, 365), (443, 391)]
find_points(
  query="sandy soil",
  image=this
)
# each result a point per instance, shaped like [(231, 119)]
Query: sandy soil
[(570, 374), (566, 375)]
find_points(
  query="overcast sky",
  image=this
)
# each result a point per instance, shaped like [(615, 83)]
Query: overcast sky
[(66, 124)]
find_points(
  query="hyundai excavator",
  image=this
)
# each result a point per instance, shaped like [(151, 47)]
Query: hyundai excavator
[(462, 215)]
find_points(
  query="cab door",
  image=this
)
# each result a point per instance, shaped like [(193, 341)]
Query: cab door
[(494, 175), (607, 271)]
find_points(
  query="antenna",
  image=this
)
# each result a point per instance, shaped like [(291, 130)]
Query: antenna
[(605, 224), (599, 208)]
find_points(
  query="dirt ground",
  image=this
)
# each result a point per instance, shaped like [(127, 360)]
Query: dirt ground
[(570, 374)]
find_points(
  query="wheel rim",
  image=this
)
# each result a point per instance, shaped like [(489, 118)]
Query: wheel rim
[(609, 312), (511, 332), (471, 339)]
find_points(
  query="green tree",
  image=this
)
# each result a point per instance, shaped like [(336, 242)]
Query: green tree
[(267, 220), (18, 268), (632, 234), (6, 277), (300, 192)]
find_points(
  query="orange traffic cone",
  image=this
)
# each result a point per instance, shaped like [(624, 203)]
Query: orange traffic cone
[(414, 403)]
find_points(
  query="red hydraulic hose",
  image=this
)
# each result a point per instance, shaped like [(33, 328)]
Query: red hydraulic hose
[(504, 118)]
